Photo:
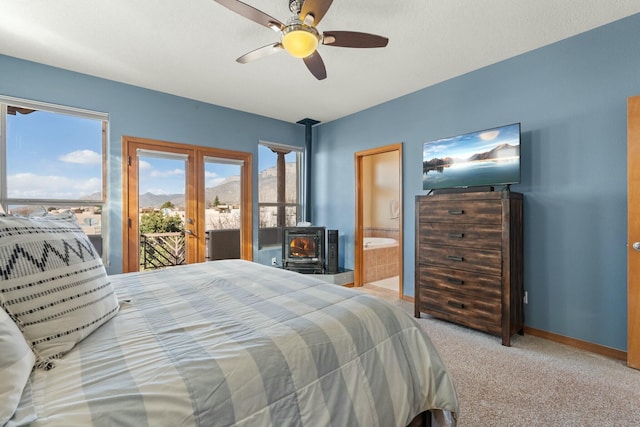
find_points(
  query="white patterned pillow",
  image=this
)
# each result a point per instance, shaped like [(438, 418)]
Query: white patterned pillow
[(52, 283), (16, 363)]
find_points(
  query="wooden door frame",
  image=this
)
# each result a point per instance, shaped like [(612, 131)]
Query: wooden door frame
[(633, 219), (359, 232), (195, 167)]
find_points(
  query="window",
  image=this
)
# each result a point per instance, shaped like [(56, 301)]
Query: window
[(279, 190), (52, 163)]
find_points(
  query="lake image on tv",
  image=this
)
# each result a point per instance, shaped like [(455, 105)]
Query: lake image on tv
[(488, 157)]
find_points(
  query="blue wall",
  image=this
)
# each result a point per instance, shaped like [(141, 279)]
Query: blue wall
[(148, 114), (571, 100)]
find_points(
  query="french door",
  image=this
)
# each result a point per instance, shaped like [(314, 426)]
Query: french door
[(184, 204)]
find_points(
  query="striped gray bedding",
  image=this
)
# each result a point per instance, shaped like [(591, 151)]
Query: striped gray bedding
[(235, 343)]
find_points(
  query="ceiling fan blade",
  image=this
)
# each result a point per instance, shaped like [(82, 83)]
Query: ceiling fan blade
[(260, 52), (316, 8), (315, 64), (252, 13), (353, 39)]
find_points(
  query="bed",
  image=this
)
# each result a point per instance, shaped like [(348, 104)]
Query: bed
[(222, 343)]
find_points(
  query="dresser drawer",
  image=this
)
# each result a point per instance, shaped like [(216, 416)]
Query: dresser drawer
[(473, 312), (450, 280), (461, 211), (480, 236), (458, 258)]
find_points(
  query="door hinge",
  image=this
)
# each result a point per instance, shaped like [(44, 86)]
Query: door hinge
[(129, 222), (129, 160)]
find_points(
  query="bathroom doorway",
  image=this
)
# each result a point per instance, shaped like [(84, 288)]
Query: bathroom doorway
[(378, 245)]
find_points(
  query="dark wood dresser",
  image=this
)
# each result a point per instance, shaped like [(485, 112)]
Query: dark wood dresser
[(469, 260)]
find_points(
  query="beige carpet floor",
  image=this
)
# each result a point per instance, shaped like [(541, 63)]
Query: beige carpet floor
[(535, 382)]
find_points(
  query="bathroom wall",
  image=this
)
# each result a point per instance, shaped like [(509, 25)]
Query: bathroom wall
[(381, 190)]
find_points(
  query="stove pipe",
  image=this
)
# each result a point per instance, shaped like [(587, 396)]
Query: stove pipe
[(308, 124)]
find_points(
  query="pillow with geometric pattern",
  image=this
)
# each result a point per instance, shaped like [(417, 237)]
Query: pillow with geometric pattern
[(52, 284)]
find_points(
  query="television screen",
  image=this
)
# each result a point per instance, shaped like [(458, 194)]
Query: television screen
[(483, 158)]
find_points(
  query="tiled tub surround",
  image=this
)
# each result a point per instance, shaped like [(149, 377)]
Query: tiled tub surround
[(380, 254)]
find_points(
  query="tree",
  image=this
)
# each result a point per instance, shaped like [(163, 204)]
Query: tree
[(167, 205), (161, 250), (216, 202), (158, 222)]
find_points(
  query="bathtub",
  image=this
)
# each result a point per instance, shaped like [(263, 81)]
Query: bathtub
[(380, 258), (379, 242)]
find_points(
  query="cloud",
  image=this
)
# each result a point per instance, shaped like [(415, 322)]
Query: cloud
[(84, 157), (433, 149), (159, 191), (211, 179), (144, 165), (168, 173), (212, 182), (489, 136), (32, 186)]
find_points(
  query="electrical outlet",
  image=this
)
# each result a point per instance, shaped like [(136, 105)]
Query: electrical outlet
[(274, 261), (526, 297)]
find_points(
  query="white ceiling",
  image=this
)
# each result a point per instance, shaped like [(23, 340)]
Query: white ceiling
[(188, 48)]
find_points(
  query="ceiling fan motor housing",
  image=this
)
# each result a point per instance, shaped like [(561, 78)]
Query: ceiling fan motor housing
[(295, 6)]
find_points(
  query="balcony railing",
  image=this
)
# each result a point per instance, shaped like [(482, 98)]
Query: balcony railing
[(158, 250)]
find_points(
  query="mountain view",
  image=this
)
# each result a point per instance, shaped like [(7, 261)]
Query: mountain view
[(228, 191), (500, 151)]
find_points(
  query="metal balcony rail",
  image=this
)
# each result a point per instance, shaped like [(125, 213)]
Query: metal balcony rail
[(159, 250)]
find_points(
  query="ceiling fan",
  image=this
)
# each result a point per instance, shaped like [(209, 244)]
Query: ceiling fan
[(299, 36)]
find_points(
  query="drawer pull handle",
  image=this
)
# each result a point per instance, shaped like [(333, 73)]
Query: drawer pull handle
[(456, 235), (455, 281), (454, 258), (455, 304), (456, 212)]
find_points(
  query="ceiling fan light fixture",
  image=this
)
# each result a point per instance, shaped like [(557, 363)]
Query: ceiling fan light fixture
[(299, 36), (300, 41)]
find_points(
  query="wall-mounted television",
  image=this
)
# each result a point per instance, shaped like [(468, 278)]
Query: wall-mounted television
[(487, 157)]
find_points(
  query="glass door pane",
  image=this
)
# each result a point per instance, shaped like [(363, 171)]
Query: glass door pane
[(223, 204), (162, 209)]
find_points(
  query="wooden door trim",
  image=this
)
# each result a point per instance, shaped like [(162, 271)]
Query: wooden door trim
[(359, 232), (633, 201), (130, 144)]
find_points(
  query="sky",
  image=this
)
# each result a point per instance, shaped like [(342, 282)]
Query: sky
[(57, 156), (53, 156), (167, 176)]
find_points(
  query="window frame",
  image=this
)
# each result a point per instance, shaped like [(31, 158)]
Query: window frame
[(5, 201), (273, 235)]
